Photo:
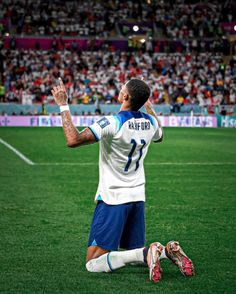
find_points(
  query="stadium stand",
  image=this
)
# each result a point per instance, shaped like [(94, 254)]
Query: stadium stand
[(173, 19), (90, 76), (181, 48)]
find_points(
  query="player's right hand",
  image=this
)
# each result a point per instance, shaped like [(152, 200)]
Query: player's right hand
[(59, 94)]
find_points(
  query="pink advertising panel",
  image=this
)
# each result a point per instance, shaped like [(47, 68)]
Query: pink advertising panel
[(55, 121)]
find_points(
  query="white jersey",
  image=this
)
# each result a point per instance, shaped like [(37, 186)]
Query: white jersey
[(124, 141)]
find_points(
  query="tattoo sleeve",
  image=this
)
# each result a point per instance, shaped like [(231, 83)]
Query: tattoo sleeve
[(75, 138), (61, 97), (151, 111)]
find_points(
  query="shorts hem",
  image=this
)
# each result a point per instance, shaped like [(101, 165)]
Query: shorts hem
[(109, 248)]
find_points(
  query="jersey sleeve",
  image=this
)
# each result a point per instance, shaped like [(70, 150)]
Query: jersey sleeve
[(157, 130), (104, 127)]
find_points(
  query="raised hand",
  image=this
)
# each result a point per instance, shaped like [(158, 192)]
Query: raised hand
[(150, 110), (59, 94), (148, 104)]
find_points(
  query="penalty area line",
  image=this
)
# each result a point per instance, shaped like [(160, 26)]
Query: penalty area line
[(17, 152), (148, 163), (66, 163), (30, 162), (191, 163)]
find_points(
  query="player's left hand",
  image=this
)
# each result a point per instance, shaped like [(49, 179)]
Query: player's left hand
[(148, 104), (59, 94)]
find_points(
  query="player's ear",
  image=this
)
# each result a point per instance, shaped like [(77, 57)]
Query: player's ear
[(126, 96)]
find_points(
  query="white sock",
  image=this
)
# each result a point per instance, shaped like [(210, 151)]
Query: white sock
[(121, 258), (114, 260), (163, 254)]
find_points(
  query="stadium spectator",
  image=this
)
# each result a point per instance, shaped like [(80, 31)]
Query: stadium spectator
[(90, 77), (172, 19), (59, 17)]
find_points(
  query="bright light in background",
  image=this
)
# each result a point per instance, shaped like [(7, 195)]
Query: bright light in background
[(7, 34), (135, 28), (235, 27), (142, 40)]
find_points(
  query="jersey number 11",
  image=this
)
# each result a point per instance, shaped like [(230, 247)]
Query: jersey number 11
[(134, 143)]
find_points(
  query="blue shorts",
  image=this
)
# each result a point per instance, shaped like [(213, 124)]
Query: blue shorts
[(118, 226)]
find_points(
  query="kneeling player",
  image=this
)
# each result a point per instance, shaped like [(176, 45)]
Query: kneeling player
[(118, 220)]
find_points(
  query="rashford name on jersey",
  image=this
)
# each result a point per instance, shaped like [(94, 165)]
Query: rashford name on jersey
[(139, 126)]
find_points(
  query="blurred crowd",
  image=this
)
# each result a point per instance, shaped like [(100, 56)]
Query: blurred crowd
[(173, 19), (186, 20), (97, 77), (182, 74)]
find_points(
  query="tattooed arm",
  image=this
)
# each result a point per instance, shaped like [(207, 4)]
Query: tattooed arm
[(74, 138), (150, 110)]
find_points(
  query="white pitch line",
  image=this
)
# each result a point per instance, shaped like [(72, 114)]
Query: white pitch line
[(191, 163), (66, 163), (28, 161), (17, 152), (149, 163)]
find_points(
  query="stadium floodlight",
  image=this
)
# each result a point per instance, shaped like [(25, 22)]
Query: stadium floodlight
[(135, 28)]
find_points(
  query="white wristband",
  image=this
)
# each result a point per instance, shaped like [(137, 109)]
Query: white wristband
[(64, 108)]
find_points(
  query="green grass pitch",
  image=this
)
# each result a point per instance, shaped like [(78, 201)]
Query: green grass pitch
[(46, 211)]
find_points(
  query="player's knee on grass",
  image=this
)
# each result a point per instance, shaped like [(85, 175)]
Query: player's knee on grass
[(89, 266)]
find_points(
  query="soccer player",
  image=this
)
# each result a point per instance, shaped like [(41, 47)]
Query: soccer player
[(118, 220)]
